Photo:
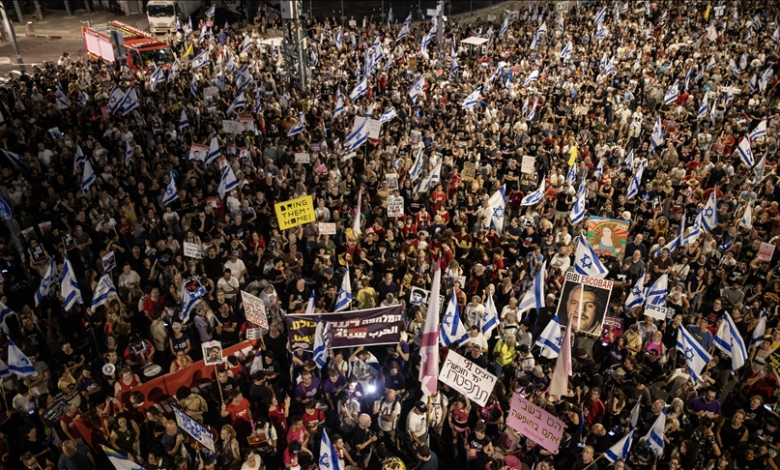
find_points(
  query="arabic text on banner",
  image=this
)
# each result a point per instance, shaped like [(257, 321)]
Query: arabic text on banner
[(467, 378), (371, 327), (294, 212), (535, 423)]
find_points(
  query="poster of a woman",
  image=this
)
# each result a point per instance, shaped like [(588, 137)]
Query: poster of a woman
[(608, 236)]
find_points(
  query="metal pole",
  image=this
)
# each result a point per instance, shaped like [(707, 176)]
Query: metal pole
[(19, 16), (9, 30), (382, 12), (440, 25), (343, 18), (38, 10), (67, 8), (86, 5)]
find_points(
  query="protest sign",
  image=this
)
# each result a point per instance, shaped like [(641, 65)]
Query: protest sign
[(527, 167), (608, 236), (655, 311), (327, 228), (254, 309), (594, 295), (199, 152), (302, 158), (535, 423), (766, 251), (613, 327), (212, 353), (194, 429), (247, 123), (192, 250), (109, 261), (467, 378), (395, 206), (294, 212), (374, 126), (231, 127), (371, 327), (469, 171), (391, 179), (254, 333)]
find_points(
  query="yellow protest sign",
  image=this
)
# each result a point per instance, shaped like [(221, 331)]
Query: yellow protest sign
[(294, 212)]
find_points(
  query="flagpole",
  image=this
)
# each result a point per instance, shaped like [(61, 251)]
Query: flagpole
[(5, 401), (602, 455)]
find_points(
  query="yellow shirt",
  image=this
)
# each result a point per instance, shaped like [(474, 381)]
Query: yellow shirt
[(505, 353)]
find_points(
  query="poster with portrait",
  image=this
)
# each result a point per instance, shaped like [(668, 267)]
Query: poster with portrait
[(421, 297), (212, 353), (199, 152), (613, 327), (593, 294), (608, 236), (247, 123)]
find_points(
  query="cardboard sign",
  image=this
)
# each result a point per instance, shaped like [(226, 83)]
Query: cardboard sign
[(302, 158), (327, 228), (528, 165), (469, 171), (295, 212), (316, 147), (194, 429), (254, 333), (590, 291), (109, 261), (391, 179), (766, 252), (199, 152), (467, 378), (212, 353), (535, 423), (374, 126), (395, 206), (231, 127), (254, 309), (656, 311), (192, 250)]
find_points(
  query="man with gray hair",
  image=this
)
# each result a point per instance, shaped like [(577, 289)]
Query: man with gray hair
[(363, 440)]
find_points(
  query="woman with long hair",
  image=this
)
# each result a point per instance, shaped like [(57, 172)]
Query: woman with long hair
[(229, 453)]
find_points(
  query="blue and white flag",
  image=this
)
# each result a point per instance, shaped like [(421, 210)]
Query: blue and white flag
[(599, 168), (310, 305), (246, 44), (201, 60), (696, 357), (551, 339), (657, 137), (194, 85), (188, 302), (743, 62), (18, 363), (655, 437), (227, 182), (747, 216), (321, 343), (622, 448), (405, 29), (671, 95), (759, 331), (211, 11), (534, 197), (730, 342), (636, 183), (695, 231), (489, 320), (568, 49), (344, 297), (454, 67), (504, 26), (390, 14), (5, 210), (131, 101), (734, 67), (171, 194), (746, 152), (678, 240), (388, 115), (417, 167), (711, 64), (427, 40), (158, 76), (360, 89), (601, 32), (542, 29), (103, 291), (571, 175), (497, 205), (759, 131), (213, 150), (758, 171), (340, 39), (699, 75), (298, 127), (339, 103), (62, 98), (578, 210), (129, 149), (587, 262), (115, 99), (69, 286), (657, 292), (417, 88), (49, 278), (88, 177), (600, 16), (189, 29), (425, 184), (357, 137), (534, 296), (534, 76), (183, 122), (5, 312), (630, 161), (329, 458), (238, 102), (703, 108), (710, 215), (472, 99), (636, 297), (83, 98), (753, 83), (451, 330)]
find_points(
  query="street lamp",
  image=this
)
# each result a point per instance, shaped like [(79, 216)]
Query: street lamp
[(11, 35)]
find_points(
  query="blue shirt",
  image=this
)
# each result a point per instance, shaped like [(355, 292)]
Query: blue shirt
[(79, 461), (705, 339)]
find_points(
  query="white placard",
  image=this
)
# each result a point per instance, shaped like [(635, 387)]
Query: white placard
[(730, 89), (327, 228), (467, 378), (302, 158), (528, 165), (348, 156), (232, 127), (194, 429), (395, 206), (374, 126), (254, 309), (656, 311), (254, 333), (192, 250)]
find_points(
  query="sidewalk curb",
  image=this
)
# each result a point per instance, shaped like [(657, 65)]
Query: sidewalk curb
[(43, 36)]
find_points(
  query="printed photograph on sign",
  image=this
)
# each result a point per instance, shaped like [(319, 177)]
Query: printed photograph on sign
[(109, 262), (199, 152), (595, 302), (392, 181), (247, 123), (608, 236), (613, 327), (421, 297), (212, 353)]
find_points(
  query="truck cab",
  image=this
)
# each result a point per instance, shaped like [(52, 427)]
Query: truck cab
[(140, 49), (162, 14)]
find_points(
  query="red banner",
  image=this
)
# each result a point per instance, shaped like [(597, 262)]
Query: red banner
[(161, 391)]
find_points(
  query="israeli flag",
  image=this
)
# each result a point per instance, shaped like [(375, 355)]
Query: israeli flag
[(622, 448), (578, 210), (201, 60), (601, 32), (534, 76), (213, 150), (678, 240), (344, 297), (711, 64), (542, 29), (194, 85), (5, 210), (358, 137), (49, 278), (4, 372), (105, 289), (115, 99), (656, 293), (567, 50), (238, 102), (504, 26), (551, 339), (246, 44), (630, 161), (497, 205), (454, 67), (417, 88), (171, 194), (730, 342), (600, 16), (746, 153), (189, 29), (183, 122), (603, 63), (360, 89), (388, 115), (472, 99), (83, 98), (451, 330), (759, 331), (696, 357), (405, 31), (776, 34), (695, 231), (703, 108), (417, 167), (753, 83), (340, 39), (699, 75), (426, 183), (62, 98), (636, 297), (657, 137), (759, 131), (747, 216), (587, 262), (390, 14), (5, 312), (764, 80), (710, 215), (157, 76), (743, 62), (321, 342), (329, 458), (211, 11), (339, 103), (69, 286), (188, 302), (131, 101), (227, 182), (427, 40), (599, 168), (655, 437), (489, 320), (534, 197), (88, 177), (571, 175), (18, 363), (758, 171), (734, 68), (636, 182), (534, 296)]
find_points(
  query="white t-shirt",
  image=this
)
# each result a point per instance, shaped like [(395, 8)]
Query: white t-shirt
[(388, 408), (416, 424), (236, 269)]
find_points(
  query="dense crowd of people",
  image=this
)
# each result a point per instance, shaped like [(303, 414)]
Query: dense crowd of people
[(658, 112)]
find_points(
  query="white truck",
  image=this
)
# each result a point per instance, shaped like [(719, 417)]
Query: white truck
[(162, 14)]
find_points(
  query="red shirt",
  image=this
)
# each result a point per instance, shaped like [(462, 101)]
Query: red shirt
[(594, 412), (312, 421), (70, 422), (238, 412), (764, 387)]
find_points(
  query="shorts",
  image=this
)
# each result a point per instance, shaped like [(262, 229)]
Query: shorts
[(561, 215)]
